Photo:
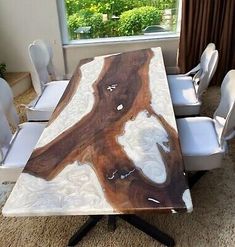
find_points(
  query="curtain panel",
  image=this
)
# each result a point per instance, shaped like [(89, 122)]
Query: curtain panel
[(205, 21)]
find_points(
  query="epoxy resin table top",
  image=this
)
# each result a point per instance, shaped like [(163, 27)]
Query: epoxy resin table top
[(110, 147)]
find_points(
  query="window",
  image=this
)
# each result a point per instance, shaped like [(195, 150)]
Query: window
[(92, 19)]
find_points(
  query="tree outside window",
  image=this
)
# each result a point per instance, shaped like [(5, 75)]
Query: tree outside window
[(114, 18)]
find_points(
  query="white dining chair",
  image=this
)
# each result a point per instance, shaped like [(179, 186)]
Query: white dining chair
[(48, 92), (207, 52), (15, 149), (6, 102), (186, 92), (203, 140), (44, 44)]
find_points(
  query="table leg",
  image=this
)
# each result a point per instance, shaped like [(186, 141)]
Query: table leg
[(195, 177), (134, 220), (88, 225), (149, 229), (112, 223)]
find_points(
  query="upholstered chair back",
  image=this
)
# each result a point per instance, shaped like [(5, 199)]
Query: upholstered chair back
[(47, 48), (40, 60), (5, 135), (6, 103), (225, 113), (207, 70)]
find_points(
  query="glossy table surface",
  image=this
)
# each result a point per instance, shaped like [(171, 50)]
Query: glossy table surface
[(110, 147)]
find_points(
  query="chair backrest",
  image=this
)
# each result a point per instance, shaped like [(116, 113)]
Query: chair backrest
[(6, 103), (5, 135), (206, 57), (226, 108), (204, 61), (40, 60), (47, 47), (207, 52), (207, 70)]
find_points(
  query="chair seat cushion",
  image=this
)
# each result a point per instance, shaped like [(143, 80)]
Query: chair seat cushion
[(23, 144), (199, 143), (51, 95), (183, 95), (198, 136), (47, 102), (182, 90)]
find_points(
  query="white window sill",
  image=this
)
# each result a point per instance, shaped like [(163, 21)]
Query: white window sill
[(119, 40)]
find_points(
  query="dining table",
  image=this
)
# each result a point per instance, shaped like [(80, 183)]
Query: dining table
[(111, 148)]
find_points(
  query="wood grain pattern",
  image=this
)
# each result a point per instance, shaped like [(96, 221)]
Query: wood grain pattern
[(94, 139)]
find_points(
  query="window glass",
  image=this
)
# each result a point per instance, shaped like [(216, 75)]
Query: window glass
[(88, 19)]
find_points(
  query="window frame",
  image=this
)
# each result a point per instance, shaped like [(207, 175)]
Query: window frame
[(61, 8)]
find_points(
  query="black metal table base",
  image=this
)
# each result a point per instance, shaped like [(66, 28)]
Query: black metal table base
[(195, 177), (134, 220)]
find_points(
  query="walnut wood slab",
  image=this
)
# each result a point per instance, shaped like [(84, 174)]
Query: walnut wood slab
[(111, 145)]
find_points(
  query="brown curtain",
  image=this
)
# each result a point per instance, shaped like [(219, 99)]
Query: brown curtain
[(205, 21)]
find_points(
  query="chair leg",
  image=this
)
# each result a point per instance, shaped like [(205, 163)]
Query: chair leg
[(88, 225), (149, 229), (194, 178)]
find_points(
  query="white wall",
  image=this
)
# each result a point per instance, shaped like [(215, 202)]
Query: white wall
[(74, 53), (21, 22), (2, 57)]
